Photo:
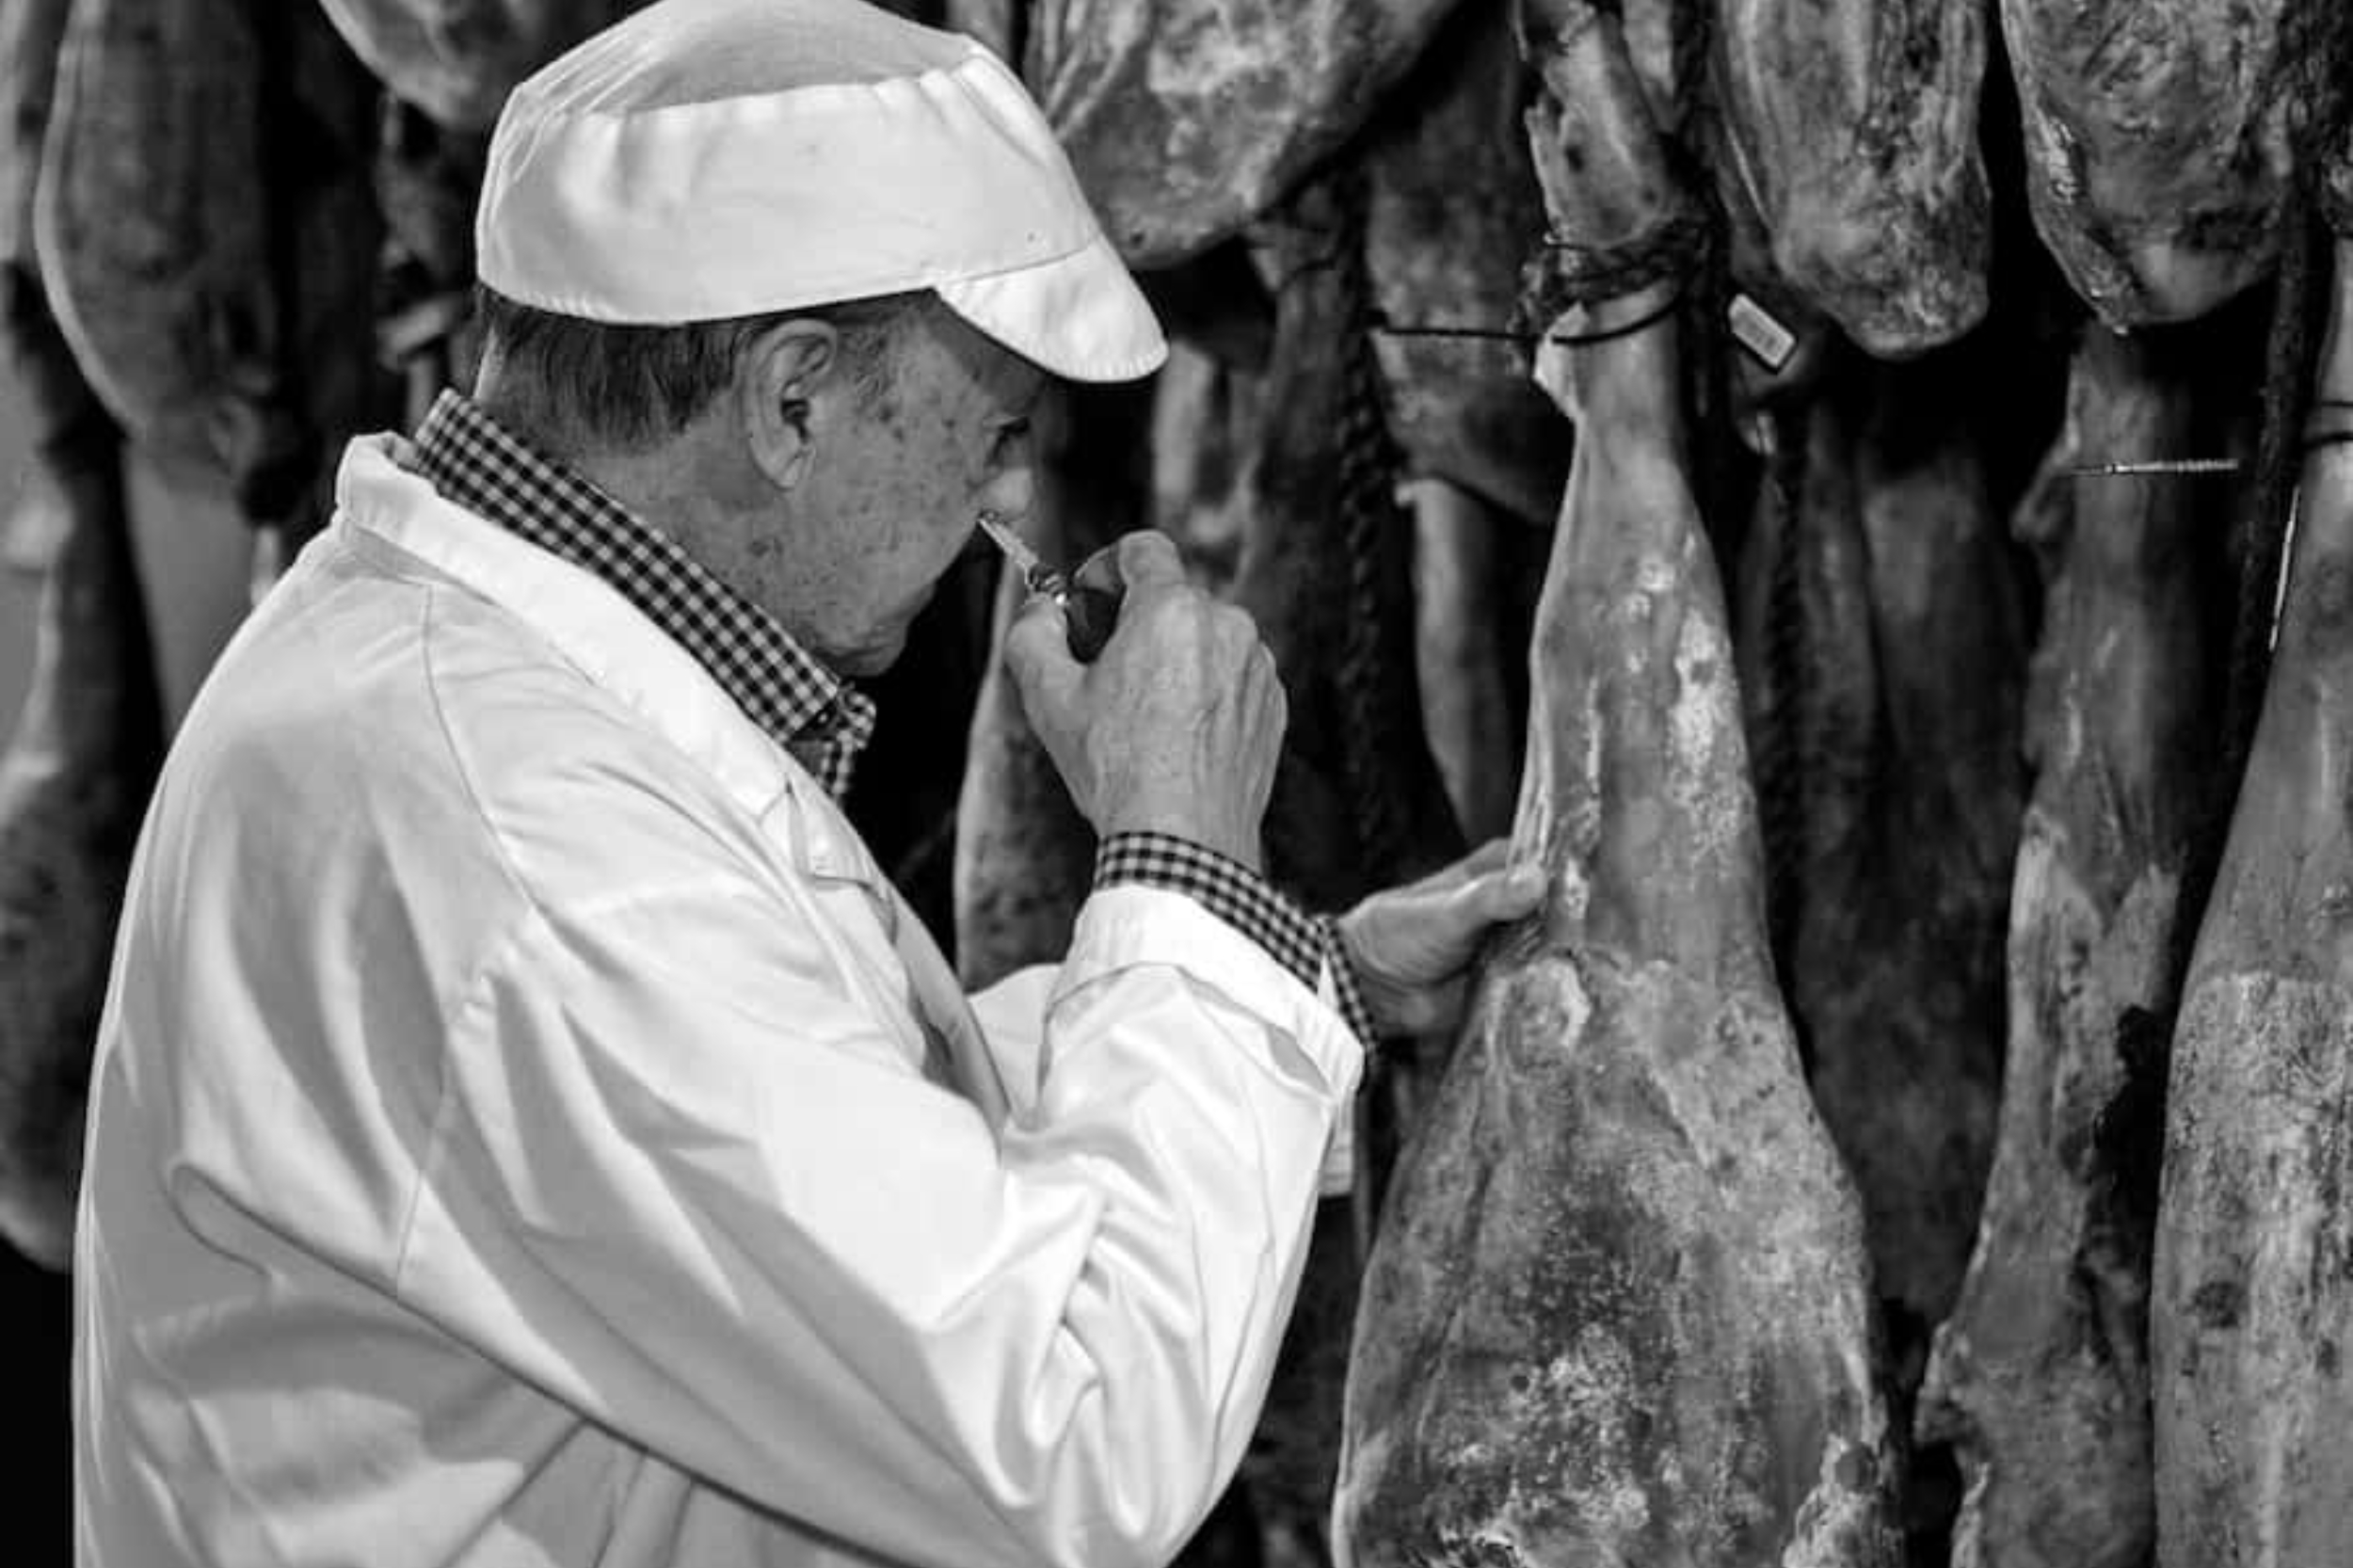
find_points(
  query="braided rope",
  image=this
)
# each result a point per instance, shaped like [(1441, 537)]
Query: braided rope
[(1365, 505), (1777, 765)]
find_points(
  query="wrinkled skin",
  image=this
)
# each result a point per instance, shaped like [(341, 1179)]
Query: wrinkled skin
[(1618, 1309), (208, 237), (2040, 1376), (1851, 129), (2252, 1296), (2154, 147), (1186, 120), (1024, 857)]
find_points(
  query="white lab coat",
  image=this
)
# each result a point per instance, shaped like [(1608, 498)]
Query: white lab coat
[(515, 1137)]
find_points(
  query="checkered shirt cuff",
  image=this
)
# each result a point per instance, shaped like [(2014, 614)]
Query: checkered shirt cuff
[(1301, 943)]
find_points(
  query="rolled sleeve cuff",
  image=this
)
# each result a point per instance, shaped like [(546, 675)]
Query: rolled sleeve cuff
[(1307, 946), (1130, 924)]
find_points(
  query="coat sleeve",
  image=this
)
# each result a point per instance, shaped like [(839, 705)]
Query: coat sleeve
[(685, 1178)]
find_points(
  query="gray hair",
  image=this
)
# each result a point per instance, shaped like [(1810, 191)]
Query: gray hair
[(626, 388)]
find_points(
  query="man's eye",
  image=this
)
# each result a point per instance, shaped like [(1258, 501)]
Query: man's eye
[(1011, 434)]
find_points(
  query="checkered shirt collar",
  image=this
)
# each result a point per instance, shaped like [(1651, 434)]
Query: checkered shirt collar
[(473, 461)]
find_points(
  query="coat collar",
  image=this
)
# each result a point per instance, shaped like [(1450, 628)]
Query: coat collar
[(613, 644)]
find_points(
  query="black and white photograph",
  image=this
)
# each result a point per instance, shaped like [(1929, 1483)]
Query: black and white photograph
[(1176, 783)]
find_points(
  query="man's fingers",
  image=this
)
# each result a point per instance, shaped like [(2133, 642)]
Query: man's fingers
[(1148, 557), (1100, 571), (1486, 858), (1037, 652), (1498, 895)]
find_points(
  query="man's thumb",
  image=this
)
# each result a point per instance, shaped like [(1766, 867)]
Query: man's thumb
[(1037, 652), (1508, 893)]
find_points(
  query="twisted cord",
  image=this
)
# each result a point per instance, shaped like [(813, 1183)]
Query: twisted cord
[(1778, 765), (1364, 502)]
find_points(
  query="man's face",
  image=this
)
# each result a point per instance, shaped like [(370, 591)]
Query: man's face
[(898, 473)]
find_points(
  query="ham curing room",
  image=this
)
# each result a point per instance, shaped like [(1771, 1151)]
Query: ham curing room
[(1219, 783)]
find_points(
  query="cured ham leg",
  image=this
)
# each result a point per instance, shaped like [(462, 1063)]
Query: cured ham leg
[(1850, 131), (458, 59), (74, 786), (1459, 656), (2252, 1303), (208, 238), (1618, 1310), (1915, 656), (2155, 147), (75, 776), (1186, 120), (1451, 210), (2040, 1377)]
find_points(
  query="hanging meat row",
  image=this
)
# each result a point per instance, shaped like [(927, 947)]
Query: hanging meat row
[(1814, 1131)]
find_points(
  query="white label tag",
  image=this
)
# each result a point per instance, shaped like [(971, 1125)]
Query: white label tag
[(1759, 333)]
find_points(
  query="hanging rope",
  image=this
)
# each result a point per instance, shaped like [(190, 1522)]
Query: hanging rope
[(1370, 522)]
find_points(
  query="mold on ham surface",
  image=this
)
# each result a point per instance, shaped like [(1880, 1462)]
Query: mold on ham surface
[(1849, 129), (2155, 149), (2040, 1376), (2252, 1297), (1619, 1309)]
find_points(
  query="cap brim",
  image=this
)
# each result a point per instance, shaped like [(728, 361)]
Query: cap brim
[(1080, 316)]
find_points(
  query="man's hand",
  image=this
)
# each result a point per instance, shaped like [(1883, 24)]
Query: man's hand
[(1176, 726), (1410, 945)]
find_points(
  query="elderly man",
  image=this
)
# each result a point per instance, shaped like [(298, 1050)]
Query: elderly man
[(527, 1127)]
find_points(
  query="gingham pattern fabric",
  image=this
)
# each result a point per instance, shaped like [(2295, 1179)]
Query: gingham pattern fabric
[(474, 462), (1242, 898)]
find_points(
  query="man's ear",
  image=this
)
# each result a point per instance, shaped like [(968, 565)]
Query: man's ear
[(790, 372)]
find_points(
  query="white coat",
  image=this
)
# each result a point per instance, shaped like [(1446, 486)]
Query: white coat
[(528, 1130)]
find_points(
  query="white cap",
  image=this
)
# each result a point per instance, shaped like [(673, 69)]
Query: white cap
[(712, 159)]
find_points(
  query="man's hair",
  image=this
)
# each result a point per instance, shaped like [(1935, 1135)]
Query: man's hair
[(627, 388)]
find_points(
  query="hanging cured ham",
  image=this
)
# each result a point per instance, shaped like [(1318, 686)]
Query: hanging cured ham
[(2253, 1299), (75, 776), (208, 236), (458, 59), (2154, 147), (1618, 1311), (1850, 130), (1452, 208), (1918, 659), (2040, 1377), (1186, 120)]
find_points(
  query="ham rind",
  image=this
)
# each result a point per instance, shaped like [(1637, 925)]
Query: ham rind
[(74, 785), (1914, 664), (1618, 1311), (208, 237), (458, 59), (2040, 1376), (2252, 1303), (1451, 212), (75, 776), (1851, 129), (1187, 119), (2155, 151)]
